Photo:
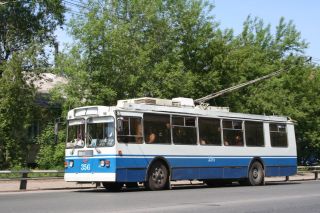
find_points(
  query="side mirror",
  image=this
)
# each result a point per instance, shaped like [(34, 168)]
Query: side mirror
[(120, 124)]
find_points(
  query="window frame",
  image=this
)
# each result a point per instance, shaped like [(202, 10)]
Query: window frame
[(144, 129), (198, 129), (263, 133), (233, 129), (129, 130), (195, 127), (272, 131)]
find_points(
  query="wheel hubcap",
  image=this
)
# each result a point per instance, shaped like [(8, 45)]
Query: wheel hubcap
[(158, 176), (255, 173)]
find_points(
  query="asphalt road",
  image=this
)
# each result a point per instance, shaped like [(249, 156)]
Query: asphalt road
[(292, 197)]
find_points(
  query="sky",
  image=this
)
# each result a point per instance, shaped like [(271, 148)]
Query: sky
[(305, 14)]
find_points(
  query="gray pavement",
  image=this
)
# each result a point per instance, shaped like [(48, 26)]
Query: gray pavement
[(9, 186), (274, 197)]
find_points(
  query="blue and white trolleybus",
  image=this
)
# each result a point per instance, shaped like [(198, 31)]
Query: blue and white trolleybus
[(156, 141)]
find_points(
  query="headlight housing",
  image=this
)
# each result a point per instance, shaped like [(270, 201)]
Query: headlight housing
[(102, 163), (71, 163)]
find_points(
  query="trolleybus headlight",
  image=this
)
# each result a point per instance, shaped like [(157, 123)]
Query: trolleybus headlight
[(107, 162), (102, 163), (71, 163)]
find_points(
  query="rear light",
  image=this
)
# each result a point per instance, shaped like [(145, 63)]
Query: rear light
[(65, 164), (71, 163)]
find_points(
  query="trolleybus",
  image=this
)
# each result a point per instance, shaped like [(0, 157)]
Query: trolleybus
[(156, 141)]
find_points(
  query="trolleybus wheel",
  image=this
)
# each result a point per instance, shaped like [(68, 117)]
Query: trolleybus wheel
[(114, 187), (157, 176), (256, 174)]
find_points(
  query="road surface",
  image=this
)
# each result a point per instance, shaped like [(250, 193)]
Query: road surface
[(291, 197)]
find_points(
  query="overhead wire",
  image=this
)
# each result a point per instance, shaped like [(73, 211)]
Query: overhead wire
[(75, 4), (74, 8)]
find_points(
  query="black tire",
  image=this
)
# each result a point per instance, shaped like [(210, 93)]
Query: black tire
[(113, 187), (256, 174), (157, 177)]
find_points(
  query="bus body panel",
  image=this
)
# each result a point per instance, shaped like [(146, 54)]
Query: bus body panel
[(88, 168), (129, 162)]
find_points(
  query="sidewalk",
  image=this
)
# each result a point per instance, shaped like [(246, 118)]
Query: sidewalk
[(8, 186)]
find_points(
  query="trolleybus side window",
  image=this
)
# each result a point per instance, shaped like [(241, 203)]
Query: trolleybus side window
[(278, 135), (157, 128), (254, 133), (184, 130), (129, 129), (232, 133), (209, 131)]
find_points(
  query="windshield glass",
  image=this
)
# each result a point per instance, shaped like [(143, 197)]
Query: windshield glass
[(101, 132), (76, 134)]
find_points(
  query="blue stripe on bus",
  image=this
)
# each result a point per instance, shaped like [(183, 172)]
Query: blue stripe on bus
[(148, 156), (81, 166), (182, 155), (134, 169)]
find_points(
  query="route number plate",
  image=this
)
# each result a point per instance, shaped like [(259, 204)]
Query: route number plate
[(85, 167)]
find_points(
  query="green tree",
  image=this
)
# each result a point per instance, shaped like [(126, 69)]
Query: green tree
[(25, 22), (137, 48), (17, 107), (127, 49), (26, 28), (256, 52), (51, 154)]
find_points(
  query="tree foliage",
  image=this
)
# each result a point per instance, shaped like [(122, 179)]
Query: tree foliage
[(51, 154), (162, 48), (129, 43), (17, 105), (26, 28), (25, 22), (167, 49)]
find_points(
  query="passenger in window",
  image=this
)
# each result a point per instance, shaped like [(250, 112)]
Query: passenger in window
[(167, 133), (179, 136), (203, 141), (238, 140), (226, 142), (79, 141), (139, 133), (151, 137)]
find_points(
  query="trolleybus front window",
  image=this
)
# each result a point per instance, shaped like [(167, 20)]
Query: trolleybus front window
[(76, 134), (100, 132)]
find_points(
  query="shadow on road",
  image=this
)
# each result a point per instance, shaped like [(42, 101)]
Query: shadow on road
[(180, 187)]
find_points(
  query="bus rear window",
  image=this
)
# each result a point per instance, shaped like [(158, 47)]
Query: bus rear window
[(278, 135)]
